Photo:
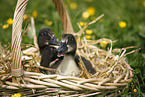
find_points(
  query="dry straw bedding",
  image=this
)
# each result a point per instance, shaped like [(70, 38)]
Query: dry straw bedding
[(113, 72)]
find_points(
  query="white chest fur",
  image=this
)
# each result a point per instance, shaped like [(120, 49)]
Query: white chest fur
[(68, 66)]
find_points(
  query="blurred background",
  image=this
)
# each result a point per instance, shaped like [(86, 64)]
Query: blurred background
[(124, 20)]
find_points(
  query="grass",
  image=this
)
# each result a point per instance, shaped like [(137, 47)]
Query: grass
[(130, 11)]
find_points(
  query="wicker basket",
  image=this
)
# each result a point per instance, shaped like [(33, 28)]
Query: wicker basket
[(113, 72)]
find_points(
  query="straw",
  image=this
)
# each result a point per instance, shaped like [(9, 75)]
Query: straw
[(112, 71)]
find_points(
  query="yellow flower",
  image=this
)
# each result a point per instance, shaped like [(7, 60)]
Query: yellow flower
[(77, 40), (16, 95), (135, 90), (5, 26), (10, 21), (91, 10), (103, 44), (85, 15), (34, 14), (129, 80), (82, 23), (73, 5), (144, 3), (87, 36), (89, 0), (89, 32), (25, 17), (122, 24), (49, 23)]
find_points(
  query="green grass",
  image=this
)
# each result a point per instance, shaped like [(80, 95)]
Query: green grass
[(130, 11)]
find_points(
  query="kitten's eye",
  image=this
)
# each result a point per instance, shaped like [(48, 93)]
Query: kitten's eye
[(44, 33), (71, 39)]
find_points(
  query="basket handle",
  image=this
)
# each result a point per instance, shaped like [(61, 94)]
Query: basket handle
[(17, 69), (65, 19)]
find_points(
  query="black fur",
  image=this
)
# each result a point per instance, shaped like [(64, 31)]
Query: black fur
[(48, 53)]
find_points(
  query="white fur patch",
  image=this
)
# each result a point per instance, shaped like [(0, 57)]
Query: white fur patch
[(69, 48), (68, 67), (46, 42), (62, 40), (52, 35)]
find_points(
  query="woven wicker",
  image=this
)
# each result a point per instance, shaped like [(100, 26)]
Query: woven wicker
[(113, 72)]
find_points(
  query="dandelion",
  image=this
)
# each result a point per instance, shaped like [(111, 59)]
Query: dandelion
[(122, 24), (85, 15), (16, 95), (103, 44), (77, 40), (144, 3), (5, 26), (82, 23), (10, 21), (87, 36), (34, 14), (135, 90), (129, 81), (89, 0), (91, 10), (73, 5), (49, 23), (89, 32), (25, 17)]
